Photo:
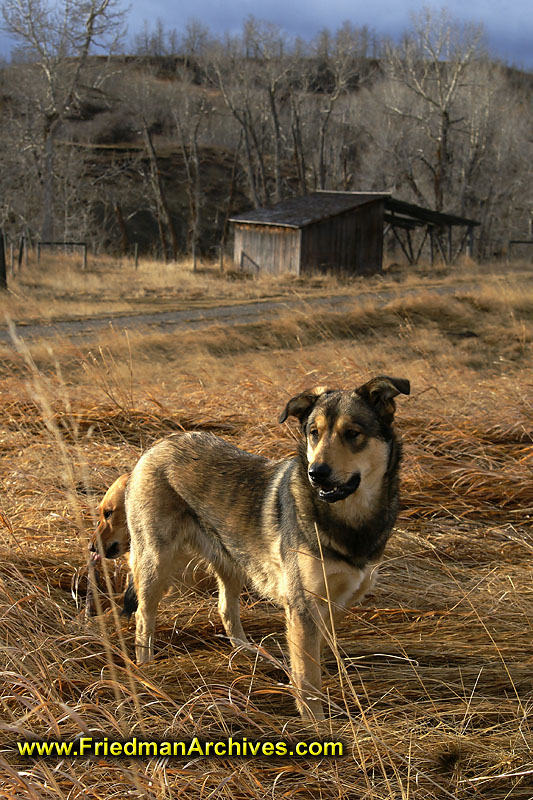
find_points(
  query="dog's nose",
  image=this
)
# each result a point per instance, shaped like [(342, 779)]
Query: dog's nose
[(93, 550), (319, 473)]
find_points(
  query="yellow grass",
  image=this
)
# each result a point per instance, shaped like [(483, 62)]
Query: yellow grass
[(428, 683), (57, 287)]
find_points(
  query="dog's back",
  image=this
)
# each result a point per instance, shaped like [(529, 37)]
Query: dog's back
[(198, 493), (199, 479)]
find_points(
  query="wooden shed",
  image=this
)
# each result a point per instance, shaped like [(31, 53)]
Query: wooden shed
[(344, 231), (323, 230)]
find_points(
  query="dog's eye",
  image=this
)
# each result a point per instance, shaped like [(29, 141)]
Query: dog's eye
[(107, 513), (351, 434), (313, 434)]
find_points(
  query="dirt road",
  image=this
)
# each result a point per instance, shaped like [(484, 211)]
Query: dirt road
[(193, 318)]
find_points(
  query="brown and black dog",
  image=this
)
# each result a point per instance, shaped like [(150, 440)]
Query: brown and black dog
[(307, 532)]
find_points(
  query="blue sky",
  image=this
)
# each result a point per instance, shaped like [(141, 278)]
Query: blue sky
[(508, 25)]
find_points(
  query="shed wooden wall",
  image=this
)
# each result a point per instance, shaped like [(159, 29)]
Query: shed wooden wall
[(267, 248), (351, 242)]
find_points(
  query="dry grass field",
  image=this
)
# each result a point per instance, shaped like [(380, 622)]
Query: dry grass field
[(57, 288), (430, 682)]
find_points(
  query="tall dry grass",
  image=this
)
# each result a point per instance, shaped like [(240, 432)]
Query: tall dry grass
[(428, 684), (58, 288)]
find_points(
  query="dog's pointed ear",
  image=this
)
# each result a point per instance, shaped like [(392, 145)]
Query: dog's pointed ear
[(380, 393), (301, 405)]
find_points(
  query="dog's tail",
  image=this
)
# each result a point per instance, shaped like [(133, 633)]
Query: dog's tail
[(130, 599)]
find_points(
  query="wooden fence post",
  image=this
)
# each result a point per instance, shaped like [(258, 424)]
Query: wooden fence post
[(470, 242)]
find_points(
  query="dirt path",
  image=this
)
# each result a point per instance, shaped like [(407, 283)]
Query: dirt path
[(192, 318)]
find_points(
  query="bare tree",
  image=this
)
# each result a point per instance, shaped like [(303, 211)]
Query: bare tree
[(55, 39), (431, 120), (189, 114), (164, 218), (339, 61), (236, 84), (429, 73), (196, 40), (268, 44)]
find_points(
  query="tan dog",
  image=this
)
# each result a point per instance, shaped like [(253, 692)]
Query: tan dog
[(306, 533), (111, 537)]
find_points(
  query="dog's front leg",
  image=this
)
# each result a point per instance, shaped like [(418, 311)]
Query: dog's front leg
[(151, 578), (304, 640), (144, 634)]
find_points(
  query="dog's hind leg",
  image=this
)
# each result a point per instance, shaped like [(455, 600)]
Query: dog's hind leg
[(304, 641), (229, 590), (152, 572)]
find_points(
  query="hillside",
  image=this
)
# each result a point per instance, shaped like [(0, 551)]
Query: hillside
[(158, 149)]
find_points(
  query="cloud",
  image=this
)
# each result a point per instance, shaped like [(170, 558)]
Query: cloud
[(509, 26)]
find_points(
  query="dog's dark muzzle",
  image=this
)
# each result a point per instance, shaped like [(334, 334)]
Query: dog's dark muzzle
[(328, 491)]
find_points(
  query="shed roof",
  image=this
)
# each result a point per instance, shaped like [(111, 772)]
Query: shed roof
[(410, 211), (297, 212)]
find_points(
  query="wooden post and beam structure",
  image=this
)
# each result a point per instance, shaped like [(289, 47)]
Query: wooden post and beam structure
[(408, 217)]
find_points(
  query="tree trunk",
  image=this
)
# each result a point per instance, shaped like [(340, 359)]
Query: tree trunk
[(164, 219), (299, 155), (47, 227), (231, 195), (277, 144), (3, 270), (122, 228)]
